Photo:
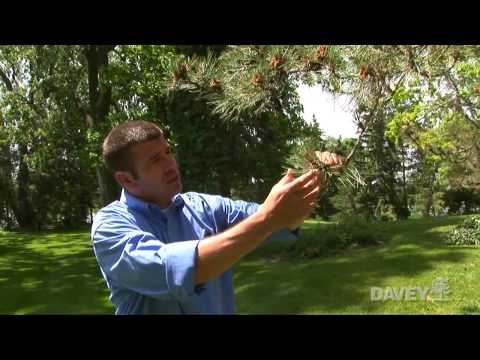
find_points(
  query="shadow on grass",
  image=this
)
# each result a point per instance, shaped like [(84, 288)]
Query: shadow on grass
[(333, 284), (50, 273)]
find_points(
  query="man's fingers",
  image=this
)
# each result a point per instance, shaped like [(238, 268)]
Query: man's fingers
[(313, 195), (308, 187), (287, 178), (303, 180), (318, 180), (309, 183)]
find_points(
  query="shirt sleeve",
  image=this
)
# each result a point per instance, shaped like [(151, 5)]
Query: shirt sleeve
[(230, 212), (136, 260)]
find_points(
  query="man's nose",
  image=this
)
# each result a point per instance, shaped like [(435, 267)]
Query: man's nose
[(171, 165)]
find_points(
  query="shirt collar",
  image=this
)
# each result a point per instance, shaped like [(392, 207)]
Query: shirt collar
[(134, 202)]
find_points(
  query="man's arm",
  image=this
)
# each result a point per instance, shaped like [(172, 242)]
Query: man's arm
[(137, 260), (289, 202)]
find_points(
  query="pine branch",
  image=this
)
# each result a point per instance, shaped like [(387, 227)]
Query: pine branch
[(308, 157)]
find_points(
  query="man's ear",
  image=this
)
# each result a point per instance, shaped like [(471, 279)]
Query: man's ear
[(125, 179)]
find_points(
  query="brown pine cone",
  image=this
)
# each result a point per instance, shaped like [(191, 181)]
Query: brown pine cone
[(321, 52), (257, 80), (276, 61), (363, 73), (180, 73), (214, 84)]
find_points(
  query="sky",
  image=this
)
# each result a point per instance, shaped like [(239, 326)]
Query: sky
[(333, 115)]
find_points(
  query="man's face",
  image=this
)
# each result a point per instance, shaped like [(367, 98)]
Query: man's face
[(158, 178)]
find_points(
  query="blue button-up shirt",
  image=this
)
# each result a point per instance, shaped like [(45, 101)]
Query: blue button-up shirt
[(147, 254)]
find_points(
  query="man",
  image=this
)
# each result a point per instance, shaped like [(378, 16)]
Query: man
[(163, 252)]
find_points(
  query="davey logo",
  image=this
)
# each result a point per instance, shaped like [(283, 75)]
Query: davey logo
[(439, 291)]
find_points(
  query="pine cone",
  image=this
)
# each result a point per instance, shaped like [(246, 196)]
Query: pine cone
[(180, 72), (477, 89), (257, 80), (321, 52), (214, 84), (363, 73), (276, 61)]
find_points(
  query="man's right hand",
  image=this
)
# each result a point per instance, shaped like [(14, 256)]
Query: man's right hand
[(291, 200), (287, 205)]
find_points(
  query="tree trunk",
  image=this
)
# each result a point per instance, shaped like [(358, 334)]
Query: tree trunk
[(404, 177), (224, 184), (100, 98), (18, 199), (428, 202), (7, 189), (109, 189), (25, 215)]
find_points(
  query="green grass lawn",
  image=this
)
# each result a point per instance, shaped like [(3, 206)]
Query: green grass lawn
[(50, 273), (414, 256), (45, 273)]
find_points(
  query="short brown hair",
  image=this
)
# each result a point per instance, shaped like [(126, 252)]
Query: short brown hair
[(117, 146)]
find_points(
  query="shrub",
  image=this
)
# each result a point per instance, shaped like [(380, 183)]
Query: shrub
[(329, 239), (467, 233)]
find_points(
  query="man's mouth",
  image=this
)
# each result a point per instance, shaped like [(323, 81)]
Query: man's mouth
[(173, 180)]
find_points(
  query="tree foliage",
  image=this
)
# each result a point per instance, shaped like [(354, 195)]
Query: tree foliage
[(234, 118)]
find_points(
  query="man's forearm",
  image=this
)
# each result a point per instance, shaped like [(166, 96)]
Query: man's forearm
[(286, 206), (220, 252)]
